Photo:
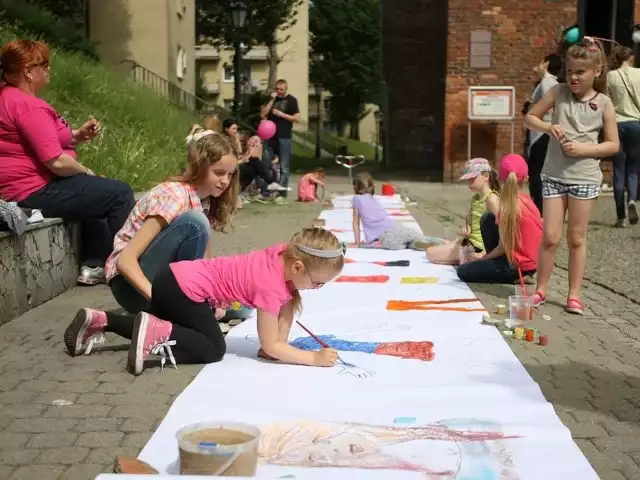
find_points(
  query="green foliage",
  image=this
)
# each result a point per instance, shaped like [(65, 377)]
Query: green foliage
[(66, 31), (250, 108), (345, 38), (264, 18)]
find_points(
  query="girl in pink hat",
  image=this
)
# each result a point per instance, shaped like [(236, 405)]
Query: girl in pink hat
[(515, 242), (483, 182)]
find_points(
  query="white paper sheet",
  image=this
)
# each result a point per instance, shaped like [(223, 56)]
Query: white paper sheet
[(389, 418)]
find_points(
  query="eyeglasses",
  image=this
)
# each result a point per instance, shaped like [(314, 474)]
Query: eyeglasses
[(315, 284)]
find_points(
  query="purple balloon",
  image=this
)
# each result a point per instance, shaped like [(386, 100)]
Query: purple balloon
[(266, 129)]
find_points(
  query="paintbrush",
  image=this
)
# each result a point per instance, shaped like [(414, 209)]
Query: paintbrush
[(323, 344)]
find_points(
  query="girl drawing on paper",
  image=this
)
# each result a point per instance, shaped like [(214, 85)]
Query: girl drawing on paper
[(376, 447)]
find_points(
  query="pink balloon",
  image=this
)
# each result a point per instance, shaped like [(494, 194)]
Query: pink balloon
[(266, 129)]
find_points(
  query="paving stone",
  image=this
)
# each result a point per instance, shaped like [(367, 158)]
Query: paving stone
[(41, 425), (12, 440), (94, 399), (137, 399), (139, 411), (98, 425), (63, 456), (48, 398), (138, 440), (52, 440), (104, 456), (617, 444), (21, 411), (16, 396), (38, 472), (15, 456), (131, 425), (5, 472), (100, 439), (78, 411), (84, 471)]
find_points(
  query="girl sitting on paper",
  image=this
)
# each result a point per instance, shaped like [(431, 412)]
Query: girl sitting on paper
[(483, 182), (513, 239), (308, 186), (180, 323), (378, 225)]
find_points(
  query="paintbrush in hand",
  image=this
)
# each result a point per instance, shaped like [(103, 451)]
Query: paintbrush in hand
[(323, 344)]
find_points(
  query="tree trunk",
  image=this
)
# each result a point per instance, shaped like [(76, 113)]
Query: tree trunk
[(274, 60), (355, 130)]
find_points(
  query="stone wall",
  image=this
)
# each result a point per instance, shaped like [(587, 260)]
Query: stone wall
[(37, 266)]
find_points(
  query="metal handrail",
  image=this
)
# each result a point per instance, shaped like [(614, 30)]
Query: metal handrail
[(176, 94)]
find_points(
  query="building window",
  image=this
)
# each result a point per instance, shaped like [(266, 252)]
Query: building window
[(228, 74), (480, 49), (181, 63)]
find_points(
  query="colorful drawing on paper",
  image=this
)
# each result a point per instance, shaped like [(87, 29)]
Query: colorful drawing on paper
[(340, 230), (418, 280), (362, 279), (462, 449), (382, 263), (407, 350), (440, 305)]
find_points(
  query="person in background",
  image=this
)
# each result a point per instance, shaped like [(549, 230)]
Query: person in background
[(283, 110), (38, 164), (308, 186), (623, 83), (512, 238), (251, 166), (483, 182), (548, 70), (378, 225)]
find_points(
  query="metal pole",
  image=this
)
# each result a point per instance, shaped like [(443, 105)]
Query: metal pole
[(318, 124), (469, 139), (377, 152), (236, 76), (614, 15), (513, 136)]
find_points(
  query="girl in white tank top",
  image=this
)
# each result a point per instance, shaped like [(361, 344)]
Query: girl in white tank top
[(571, 176)]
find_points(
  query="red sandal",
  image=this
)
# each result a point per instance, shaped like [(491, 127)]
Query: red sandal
[(538, 299), (575, 306)]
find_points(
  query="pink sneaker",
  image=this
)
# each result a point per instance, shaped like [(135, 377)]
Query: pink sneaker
[(150, 337), (538, 299), (575, 306), (85, 331)]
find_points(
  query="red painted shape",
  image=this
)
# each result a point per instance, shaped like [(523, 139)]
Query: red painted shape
[(363, 279)]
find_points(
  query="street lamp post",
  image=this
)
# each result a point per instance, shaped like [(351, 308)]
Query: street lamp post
[(318, 93), (238, 16), (377, 115)]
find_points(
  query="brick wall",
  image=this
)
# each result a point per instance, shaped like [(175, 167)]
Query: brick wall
[(522, 34), (414, 66)]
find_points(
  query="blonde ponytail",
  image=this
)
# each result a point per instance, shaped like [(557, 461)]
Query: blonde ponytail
[(510, 216)]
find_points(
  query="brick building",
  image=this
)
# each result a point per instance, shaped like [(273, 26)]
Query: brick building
[(428, 69)]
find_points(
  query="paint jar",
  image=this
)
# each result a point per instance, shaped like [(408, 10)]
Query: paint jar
[(224, 449), (388, 190), (529, 290), (519, 310)]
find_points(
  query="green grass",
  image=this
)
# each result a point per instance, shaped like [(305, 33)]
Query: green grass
[(143, 134), (331, 143)]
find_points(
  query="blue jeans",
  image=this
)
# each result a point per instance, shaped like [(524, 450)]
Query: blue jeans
[(285, 162), (625, 166), (185, 238), (498, 270)]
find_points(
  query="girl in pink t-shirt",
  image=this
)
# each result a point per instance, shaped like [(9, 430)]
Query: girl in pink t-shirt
[(180, 323), (308, 186)]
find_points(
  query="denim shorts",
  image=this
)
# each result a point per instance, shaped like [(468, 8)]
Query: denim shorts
[(553, 188)]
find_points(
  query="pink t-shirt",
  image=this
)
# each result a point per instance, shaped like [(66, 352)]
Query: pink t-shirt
[(525, 253), (31, 133), (306, 188), (255, 279)]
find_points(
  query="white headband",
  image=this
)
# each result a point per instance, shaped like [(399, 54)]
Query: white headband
[(197, 136), (314, 252)]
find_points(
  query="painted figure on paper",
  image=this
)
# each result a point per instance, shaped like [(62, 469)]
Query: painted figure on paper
[(410, 350), (379, 447)]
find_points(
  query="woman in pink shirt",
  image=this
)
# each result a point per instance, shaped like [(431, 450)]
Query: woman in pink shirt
[(308, 186), (180, 323), (38, 166), (513, 238)]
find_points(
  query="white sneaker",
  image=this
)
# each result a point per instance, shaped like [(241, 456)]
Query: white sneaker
[(276, 187), (91, 276), (36, 217)]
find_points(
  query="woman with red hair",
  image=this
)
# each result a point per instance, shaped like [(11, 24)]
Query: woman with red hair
[(38, 166)]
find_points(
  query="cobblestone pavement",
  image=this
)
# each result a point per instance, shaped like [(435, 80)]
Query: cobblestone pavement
[(590, 371)]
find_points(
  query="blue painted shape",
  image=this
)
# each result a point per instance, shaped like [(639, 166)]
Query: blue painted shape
[(309, 343), (207, 445), (404, 420)]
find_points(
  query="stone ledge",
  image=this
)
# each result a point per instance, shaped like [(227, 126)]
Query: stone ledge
[(37, 266)]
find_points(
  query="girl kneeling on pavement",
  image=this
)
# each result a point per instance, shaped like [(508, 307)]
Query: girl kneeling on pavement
[(513, 238), (180, 325)]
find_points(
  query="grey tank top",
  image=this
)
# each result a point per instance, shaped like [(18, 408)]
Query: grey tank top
[(582, 122)]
